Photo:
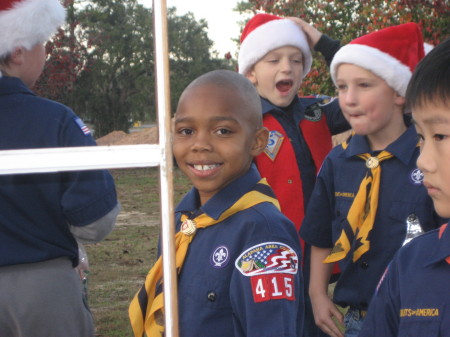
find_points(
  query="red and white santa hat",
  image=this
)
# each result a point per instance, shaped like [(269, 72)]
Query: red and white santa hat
[(264, 33), (24, 23), (391, 53)]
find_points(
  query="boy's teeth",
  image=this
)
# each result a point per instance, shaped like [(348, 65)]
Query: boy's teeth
[(204, 167)]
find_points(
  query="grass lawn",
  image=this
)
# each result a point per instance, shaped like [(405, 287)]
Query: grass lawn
[(118, 265)]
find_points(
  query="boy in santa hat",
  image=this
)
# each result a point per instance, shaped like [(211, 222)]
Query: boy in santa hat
[(43, 215), (414, 296), (275, 55), (369, 198)]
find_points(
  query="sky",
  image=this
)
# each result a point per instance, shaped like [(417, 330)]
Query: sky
[(223, 22)]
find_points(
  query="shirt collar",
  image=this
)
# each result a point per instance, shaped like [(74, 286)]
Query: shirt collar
[(267, 106), (224, 199), (403, 148), (442, 250), (12, 85)]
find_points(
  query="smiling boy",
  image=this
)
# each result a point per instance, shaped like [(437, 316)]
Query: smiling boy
[(369, 193), (237, 254), (414, 296)]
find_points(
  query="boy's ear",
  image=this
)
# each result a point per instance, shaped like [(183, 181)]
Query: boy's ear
[(251, 75), (17, 56), (399, 100), (260, 141)]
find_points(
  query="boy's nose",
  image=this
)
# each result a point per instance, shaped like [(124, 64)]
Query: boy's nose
[(425, 161), (349, 96), (286, 65), (201, 143)]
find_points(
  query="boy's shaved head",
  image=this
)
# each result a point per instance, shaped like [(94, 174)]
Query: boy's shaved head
[(218, 130), (246, 95)]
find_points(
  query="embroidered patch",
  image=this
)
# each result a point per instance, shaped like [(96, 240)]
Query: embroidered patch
[(82, 126), (271, 267), (220, 257), (416, 176), (273, 287), (274, 144), (313, 113), (268, 258)]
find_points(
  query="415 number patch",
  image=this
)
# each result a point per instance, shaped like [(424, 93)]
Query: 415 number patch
[(273, 287)]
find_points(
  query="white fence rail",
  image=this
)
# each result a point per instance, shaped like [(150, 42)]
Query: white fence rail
[(78, 158)]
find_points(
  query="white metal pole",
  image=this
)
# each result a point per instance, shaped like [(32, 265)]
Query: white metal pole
[(166, 167)]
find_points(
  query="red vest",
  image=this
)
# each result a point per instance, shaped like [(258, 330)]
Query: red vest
[(282, 171)]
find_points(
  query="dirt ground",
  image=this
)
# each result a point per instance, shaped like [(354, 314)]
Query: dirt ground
[(144, 136), (137, 219)]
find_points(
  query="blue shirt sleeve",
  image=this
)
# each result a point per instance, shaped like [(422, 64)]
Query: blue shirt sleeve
[(317, 224), (383, 316)]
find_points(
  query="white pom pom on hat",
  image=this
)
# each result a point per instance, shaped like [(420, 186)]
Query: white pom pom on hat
[(24, 23), (266, 32), (391, 53)]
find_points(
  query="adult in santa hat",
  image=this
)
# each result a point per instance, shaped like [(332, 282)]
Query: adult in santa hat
[(275, 55), (369, 198), (43, 215)]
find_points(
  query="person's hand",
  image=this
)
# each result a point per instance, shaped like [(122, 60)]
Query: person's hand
[(312, 34), (324, 311)]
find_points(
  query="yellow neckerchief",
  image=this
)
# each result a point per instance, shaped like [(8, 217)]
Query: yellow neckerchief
[(146, 310), (361, 215)]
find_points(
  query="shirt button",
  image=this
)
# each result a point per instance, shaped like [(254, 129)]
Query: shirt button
[(289, 181), (211, 297), (364, 265)]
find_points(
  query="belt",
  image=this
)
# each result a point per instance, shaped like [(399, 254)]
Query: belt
[(357, 313)]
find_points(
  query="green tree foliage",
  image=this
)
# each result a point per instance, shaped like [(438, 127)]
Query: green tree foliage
[(102, 63), (347, 19)]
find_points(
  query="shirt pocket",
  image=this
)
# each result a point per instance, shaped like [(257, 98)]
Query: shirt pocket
[(424, 320), (411, 216), (425, 327), (340, 216), (209, 292)]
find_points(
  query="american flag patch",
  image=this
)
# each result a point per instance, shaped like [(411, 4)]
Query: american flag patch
[(268, 258), (82, 126)]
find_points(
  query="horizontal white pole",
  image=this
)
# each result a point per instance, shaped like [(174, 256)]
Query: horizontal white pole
[(79, 158)]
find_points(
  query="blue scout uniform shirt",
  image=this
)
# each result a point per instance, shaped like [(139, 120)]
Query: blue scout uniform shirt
[(224, 287), (414, 296), (402, 197), (36, 209), (290, 118)]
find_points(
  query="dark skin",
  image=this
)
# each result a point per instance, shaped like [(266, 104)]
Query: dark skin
[(218, 131)]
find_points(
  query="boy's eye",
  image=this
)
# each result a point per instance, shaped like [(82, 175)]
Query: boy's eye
[(341, 87), (185, 131), (223, 131), (364, 84), (439, 137)]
